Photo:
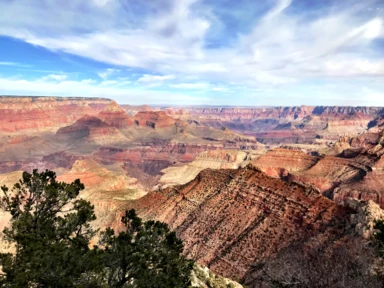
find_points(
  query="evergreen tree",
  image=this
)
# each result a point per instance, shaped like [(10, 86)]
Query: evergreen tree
[(49, 230), (146, 254)]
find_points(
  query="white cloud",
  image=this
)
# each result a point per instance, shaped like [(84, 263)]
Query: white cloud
[(220, 89), (56, 77), (88, 81), (282, 48), (6, 63), (154, 80), (189, 85), (101, 3), (91, 88), (107, 73)]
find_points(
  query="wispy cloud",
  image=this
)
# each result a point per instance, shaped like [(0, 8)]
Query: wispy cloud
[(189, 85), (56, 77), (286, 45), (107, 73), (6, 63), (154, 80), (90, 88)]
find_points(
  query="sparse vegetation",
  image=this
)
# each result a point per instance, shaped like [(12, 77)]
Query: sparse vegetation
[(348, 263)]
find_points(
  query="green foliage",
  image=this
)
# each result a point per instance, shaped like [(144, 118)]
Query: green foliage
[(51, 246), (146, 254), (50, 231)]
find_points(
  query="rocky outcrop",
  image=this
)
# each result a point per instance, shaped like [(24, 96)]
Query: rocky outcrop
[(369, 188), (367, 213), (145, 162), (229, 218), (132, 109), (202, 277), (276, 125), (325, 173), (279, 162), (95, 176), (287, 113), (158, 119), (91, 129), (45, 113), (115, 116), (213, 159), (367, 149), (106, 186)]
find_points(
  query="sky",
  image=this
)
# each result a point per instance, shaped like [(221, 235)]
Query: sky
[(196, 52)]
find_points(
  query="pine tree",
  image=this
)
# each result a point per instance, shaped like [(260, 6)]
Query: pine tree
[(146, 254), (50, 230)]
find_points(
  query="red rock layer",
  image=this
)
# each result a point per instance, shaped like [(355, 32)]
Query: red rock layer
[(288, 113), (41, 113), (115, 116), (132, 109), (279, 162), (158, 119), (229, 218), (278, 125), (91, 129), (325, 173), (170, 152), (52, 162), (368, 149)]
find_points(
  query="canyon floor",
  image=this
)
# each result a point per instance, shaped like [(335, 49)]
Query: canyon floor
[(238, 184)]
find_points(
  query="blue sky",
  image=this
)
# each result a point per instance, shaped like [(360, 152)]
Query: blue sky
[(201, 52)]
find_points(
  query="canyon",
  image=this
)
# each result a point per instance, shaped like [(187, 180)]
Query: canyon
[(277, 125), (237, 184)]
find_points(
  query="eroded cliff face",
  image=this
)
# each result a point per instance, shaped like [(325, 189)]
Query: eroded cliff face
[(319, 259), (91, 129), (228, 215), (325, 172), (115, 116), (45, 113), (289, 113), (352, 169), (276, 125), (367, 149), (212, 159), (229, 218), (100, 130)]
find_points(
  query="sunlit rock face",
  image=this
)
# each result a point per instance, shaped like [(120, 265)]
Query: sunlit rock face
[(59, 131), (229, 218), (115, 116), (232, 199), (45, 113)]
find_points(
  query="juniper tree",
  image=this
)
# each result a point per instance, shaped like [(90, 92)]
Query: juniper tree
[(146, 254), (49, 230)]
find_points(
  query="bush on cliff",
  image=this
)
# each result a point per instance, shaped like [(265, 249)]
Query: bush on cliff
[(147, 252), (50, 233)]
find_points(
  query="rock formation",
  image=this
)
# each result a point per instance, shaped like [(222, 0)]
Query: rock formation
[(115, 116), (229, 218), (278, 125), (91, 129), (212, 159), (158, 119), (45, 113)]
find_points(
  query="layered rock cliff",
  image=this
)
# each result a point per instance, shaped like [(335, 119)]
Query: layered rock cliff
[(45, 113), (229, 218), (276, 125)]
